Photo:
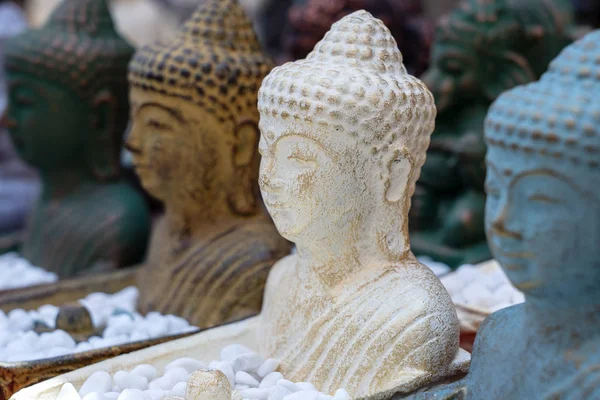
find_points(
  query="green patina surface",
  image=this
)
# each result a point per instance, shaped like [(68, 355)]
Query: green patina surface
[(481, 49), (67, 113)]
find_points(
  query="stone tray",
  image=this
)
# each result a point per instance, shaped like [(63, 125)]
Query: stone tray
[(17, 375), (205, 346)]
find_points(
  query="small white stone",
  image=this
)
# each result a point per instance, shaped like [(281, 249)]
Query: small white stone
[(111, 395), (306, 386), (341, 394), (267, 367), (94, 396), (100, 381), (291, 386), (248, 362), (177, 374), (255, 394), (245, 378), (133, 394), (270, 380), (278, 393), (179, 389), (189, 364), (127, 380), (303, 395), (145, 370), (68, 392), (239, 386), (155, 394), (233, 351)]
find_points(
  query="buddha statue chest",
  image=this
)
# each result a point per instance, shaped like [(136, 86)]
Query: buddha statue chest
[(90, 227)]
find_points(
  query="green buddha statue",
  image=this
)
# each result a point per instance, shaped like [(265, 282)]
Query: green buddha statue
[(481, 49), (66, 116)]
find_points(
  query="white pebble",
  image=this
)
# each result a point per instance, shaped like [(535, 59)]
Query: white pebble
[(145, 370), (267, 367), (255, 393), (248, 362), (291, 386), (179, 389), (189, 364), (303, 395), (245, 378), (133, 394), (307, 386), (270, 380), (68, 392), (278, 393), (100, 381), (233, 351), (127, 380), (341, 394)]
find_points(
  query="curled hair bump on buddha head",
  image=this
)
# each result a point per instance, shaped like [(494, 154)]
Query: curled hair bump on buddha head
[(215, 62), (80, 49), (570, 135), (354, 83)]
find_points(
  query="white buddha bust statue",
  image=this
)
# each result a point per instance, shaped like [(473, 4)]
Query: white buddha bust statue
[(343, 137)]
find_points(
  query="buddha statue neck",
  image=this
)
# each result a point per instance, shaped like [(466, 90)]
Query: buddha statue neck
[(194, 137), (480, 50), (542, 213), (343, 136), (67, 113)]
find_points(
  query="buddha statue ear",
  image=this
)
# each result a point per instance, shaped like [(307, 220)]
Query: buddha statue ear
[(507, 71), (103, 146), (399, 171), (243, 195)]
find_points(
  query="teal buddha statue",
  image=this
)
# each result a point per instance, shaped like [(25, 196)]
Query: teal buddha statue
[(543, 226), (67, 112), (481, 49)]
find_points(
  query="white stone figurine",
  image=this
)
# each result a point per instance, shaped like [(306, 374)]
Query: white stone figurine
[(343, 138)]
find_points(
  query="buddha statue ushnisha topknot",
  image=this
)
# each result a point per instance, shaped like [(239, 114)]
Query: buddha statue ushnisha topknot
[(67, 113), (542, 215), (194, 142), (344, 134)]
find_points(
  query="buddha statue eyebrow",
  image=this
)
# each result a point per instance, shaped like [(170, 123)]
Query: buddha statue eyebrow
[(172, 112)]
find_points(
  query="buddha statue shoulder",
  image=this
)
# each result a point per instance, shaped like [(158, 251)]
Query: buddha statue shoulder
[(542, 214), (194, 143), (66, 116), (344, 133), (481, 49)]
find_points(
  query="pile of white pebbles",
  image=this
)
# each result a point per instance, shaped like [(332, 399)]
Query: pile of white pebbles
[(485, 287), (20, 342), (17, 272), (250, 375)]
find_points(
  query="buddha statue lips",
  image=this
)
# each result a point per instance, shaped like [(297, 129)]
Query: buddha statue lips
[(194, 137), (343, 136), (67, 114)]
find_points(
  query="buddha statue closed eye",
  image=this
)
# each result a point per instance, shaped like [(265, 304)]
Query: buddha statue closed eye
[(481, 49), (66, 116), (194, 140), (344, 135), (542, 222)]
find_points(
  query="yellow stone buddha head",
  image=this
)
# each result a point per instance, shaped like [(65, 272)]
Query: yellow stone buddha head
[(193, 100)]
